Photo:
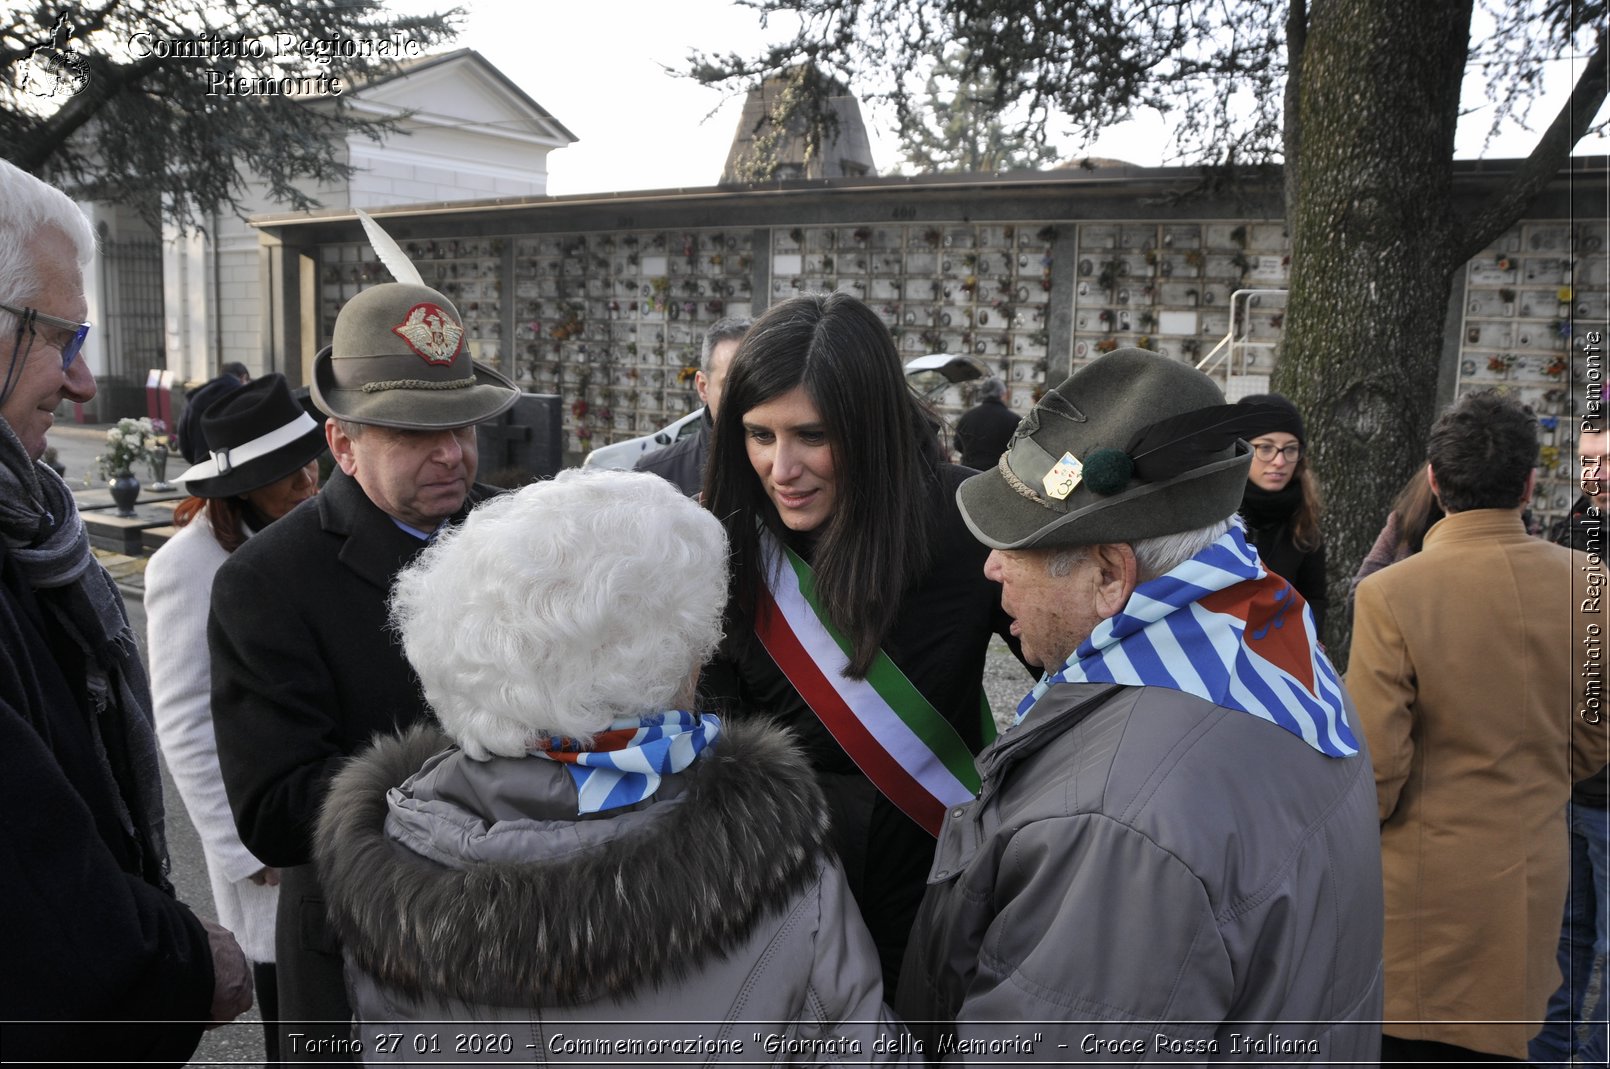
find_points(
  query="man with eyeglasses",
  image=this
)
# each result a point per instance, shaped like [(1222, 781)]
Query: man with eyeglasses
[(33, 388), (103, 962)]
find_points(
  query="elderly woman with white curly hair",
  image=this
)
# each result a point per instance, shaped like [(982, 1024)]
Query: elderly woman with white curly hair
[(582, 853)]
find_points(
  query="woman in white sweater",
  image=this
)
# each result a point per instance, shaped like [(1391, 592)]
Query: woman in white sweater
[(261, 449)]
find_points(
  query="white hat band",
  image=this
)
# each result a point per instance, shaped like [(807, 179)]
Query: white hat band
[(226, 460)]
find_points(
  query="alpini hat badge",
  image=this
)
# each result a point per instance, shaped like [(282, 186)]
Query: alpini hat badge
[(431, 332), (1063, 478)]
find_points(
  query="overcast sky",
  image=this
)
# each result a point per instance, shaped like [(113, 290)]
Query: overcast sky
[(597, 67)]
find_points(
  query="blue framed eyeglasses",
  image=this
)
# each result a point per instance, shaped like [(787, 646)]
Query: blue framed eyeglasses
[(28, 318)]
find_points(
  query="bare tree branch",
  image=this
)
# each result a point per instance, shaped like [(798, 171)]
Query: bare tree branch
[(1552, 153)]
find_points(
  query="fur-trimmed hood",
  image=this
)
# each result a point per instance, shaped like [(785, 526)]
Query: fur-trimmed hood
[(742, 832)]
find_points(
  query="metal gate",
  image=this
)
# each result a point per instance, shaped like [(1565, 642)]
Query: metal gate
[(131, 289)]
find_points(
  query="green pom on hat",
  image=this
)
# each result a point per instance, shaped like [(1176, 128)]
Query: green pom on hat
[(1108, 471)]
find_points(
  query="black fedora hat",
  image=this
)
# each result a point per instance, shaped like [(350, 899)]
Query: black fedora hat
[(255, 435), (192, 444)]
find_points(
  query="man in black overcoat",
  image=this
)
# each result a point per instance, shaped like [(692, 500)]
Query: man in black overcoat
[(103, 963), (682, 462), (983, 431), (304, 668)]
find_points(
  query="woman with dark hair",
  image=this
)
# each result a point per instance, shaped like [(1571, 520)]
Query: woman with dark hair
[(258, 450), (1281, 506), (859, 614)]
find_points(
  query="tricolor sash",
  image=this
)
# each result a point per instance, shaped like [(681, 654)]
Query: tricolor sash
[(893, 734)]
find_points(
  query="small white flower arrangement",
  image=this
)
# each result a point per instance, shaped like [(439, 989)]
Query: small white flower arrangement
[(131, 441)]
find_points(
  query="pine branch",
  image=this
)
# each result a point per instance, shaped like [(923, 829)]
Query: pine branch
[(37, 147)]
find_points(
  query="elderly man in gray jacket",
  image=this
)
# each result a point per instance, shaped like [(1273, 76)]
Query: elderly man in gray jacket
[(1174, 855)]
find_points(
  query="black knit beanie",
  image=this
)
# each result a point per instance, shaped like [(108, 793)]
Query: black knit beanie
[(1293, 426)]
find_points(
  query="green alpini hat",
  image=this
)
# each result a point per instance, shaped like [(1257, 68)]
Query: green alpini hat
[(1133, 445), (398, 359)]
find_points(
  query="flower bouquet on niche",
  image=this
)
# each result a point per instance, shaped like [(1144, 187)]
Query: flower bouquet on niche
[(128, 443)]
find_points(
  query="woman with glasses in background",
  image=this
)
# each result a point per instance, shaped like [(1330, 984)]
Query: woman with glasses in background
[(1281, 507)]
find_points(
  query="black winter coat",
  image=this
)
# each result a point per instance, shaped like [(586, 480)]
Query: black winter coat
[(681, 462), (304, 673), (1304, 571), (85, 937), (984, 432), (1268, 518), (304, 668)]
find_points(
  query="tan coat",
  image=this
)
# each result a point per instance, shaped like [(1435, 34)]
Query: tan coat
[(1467, 670)]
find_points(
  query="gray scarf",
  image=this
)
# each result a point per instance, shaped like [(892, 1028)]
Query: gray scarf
[(43, 532)]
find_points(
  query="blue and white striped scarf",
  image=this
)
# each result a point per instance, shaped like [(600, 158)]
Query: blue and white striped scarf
[(1224, 628), (622, 765)]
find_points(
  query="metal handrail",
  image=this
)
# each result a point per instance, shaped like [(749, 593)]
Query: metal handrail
[(1202, 366), (1230, 344)]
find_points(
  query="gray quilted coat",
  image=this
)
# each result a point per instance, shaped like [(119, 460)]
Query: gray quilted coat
[(1150, 877), (483, 919)]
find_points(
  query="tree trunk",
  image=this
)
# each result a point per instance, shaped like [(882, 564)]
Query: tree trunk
[(1372, 263)]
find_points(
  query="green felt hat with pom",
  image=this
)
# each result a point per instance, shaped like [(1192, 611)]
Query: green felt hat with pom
[(1133, 445)]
